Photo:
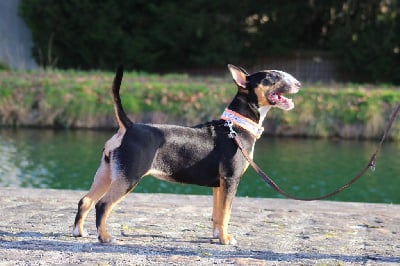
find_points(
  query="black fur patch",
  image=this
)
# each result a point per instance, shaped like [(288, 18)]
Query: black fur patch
[(78, 214), (100, 209), (106, 157)]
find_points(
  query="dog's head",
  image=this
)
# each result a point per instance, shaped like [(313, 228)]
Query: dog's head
[(266, 88)]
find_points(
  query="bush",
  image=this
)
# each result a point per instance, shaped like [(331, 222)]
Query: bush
[(4, 66), (368, 40), (165, 36), (146, 35), (75, 99)]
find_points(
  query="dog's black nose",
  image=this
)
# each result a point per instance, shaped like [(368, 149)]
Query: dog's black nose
[(298, 84)]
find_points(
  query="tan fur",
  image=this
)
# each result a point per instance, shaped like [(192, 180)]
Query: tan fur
[(260, 91), (101, 183), (117, 191), (216, 210), (223, 206), (159, 174), (114, 142)]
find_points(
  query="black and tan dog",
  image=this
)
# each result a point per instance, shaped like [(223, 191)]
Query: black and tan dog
[(202, 155)]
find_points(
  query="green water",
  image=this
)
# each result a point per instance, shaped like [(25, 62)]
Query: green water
[(303, 167)]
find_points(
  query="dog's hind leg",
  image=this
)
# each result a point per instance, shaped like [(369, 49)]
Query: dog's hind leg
[(101, 183), (119, 188)]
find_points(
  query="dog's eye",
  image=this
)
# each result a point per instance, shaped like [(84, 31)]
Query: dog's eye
[(272, 77), (267, 82)]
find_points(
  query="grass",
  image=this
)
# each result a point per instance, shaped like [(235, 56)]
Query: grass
[(347, 112), (74, 99)]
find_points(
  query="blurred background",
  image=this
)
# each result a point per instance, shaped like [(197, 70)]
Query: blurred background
[(341, 40), (56, 67)]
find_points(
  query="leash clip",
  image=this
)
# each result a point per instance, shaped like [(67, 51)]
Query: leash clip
[(372, 166), (232, 133)]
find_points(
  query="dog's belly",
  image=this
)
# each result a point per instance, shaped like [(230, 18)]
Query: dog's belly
[(161, 175), (203, 181), (196, 174)]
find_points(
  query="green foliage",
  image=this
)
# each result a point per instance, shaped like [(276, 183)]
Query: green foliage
[(351, 111), (149, 35), (4, 66), (71, 99), (367, 39), (161, 36)]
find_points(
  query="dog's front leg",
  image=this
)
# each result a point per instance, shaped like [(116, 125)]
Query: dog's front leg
[(223, 197), (216, 210)]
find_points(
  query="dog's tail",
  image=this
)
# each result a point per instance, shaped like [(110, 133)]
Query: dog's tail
[(122, 118)]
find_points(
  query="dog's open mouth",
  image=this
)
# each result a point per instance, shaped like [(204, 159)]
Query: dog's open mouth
[(280, 101)]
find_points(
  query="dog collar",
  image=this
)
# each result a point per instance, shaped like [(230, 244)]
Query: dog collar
[(243, 122)]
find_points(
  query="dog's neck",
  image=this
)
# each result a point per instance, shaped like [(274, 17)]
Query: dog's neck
[(251, 111), (241, 121), (245, 115), (263, 113), (241, 105)]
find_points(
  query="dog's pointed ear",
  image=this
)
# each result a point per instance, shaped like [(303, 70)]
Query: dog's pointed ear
[(239, 75)]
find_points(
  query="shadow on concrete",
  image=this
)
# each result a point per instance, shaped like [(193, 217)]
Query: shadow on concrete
[(36, 243)]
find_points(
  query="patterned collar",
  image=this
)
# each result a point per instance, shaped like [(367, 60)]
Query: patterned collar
[(237, 119)]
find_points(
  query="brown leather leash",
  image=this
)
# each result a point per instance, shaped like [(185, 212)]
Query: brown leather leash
[(371, 164)]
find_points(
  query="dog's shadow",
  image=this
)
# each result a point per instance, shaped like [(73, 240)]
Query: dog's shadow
[(209, 247)]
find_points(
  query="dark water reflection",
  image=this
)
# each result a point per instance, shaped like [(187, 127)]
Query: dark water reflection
[(304, 167)]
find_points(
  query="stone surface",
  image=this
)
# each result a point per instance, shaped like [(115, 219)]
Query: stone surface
[(164, 229)]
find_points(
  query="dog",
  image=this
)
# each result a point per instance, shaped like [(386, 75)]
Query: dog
[(203, 155)]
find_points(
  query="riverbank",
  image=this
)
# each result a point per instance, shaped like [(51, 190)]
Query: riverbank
[(161, 229), (73, 99)]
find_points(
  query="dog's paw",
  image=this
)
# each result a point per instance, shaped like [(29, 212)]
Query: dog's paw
[(227, 240), (232, 241), (216, 233), (106, 239), (76, 233)]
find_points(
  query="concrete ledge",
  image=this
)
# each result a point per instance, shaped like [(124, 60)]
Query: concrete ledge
[(160, 229)]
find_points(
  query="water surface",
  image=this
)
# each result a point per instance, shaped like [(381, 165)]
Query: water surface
[(303, 167)]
